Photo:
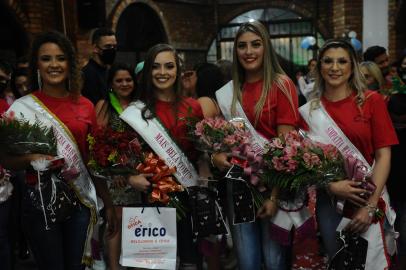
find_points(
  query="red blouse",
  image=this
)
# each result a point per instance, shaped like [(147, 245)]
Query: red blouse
[(368, 127), (78, 115), (277, 110), (176, 125), (3, 106)]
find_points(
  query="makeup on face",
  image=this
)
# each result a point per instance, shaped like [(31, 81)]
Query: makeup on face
[(164, 71), (53, 64), (336, 67), (250, 52), (122, 84)]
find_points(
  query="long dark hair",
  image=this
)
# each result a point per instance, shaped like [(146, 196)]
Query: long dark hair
[(209, 80), (73, 82), (146, 91), (116, 67)]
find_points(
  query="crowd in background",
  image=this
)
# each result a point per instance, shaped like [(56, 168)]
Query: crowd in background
[(345, 82)]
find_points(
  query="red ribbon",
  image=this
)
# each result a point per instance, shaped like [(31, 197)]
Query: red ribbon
[(162, 180)]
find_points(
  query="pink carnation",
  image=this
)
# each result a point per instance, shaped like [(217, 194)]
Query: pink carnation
[(278, 164)]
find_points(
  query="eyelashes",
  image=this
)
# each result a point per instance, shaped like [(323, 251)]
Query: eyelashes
[(327, 61)]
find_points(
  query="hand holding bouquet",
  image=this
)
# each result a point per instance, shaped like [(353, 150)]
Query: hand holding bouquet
[(19, 136), (294, 163)]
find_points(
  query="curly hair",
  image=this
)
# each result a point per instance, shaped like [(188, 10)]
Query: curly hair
[(73, 82)]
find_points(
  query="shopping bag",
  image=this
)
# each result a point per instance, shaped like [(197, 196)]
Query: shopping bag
[(207, 218), (243, 201), (148, 237)]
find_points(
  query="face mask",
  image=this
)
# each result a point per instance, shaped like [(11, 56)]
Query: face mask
[(107, 56), (373, 86)]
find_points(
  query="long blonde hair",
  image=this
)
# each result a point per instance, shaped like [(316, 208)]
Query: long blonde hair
[(375, 72), (356, 80), (272, 71)]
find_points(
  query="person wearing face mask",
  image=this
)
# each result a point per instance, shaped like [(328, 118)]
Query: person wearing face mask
[(104, 46)]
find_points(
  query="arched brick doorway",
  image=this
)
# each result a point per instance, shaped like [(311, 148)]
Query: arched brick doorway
[(138, 28), (287, 29), (13, 37)]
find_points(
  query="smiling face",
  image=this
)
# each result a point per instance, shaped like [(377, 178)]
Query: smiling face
[(53, 65), (250, 52), (164, 71), (122, 84), (336, 67)]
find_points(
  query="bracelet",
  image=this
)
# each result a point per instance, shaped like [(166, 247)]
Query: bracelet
[(372, 210)]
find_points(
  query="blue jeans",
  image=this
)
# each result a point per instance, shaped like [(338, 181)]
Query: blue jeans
[(253, 244), (5, 254), (61, 247), (327, 220)]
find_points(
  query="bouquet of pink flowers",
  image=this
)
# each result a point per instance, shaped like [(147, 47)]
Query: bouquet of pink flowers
[(294, 163), (219, 135)]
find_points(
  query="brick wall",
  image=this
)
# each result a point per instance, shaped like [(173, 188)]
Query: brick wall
[(42, 15), (347, 16), (397, 24), (192, 27)]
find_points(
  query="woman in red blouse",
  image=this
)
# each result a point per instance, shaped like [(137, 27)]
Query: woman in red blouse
[(160, 91), (362, 117), (269, 100), (58, 103)]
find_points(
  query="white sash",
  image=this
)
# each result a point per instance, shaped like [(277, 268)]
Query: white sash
[(32, 109), (155, 135), (322, 128), (290, 214), (224, 98)]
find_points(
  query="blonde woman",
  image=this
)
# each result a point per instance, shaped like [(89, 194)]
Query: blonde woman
[(261, 92), (343, 110), (373, 75)]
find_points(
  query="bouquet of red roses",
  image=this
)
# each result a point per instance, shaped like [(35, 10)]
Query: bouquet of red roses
[(293, 163), (219, 135), (114, 152)]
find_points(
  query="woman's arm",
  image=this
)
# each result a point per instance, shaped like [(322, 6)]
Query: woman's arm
[(209, 107), (380, 173), (363, 217), (20, 162), (103, 193), (270, 206), (102, 115)]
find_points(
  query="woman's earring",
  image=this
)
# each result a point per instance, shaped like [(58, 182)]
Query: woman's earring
[(39, 80)]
